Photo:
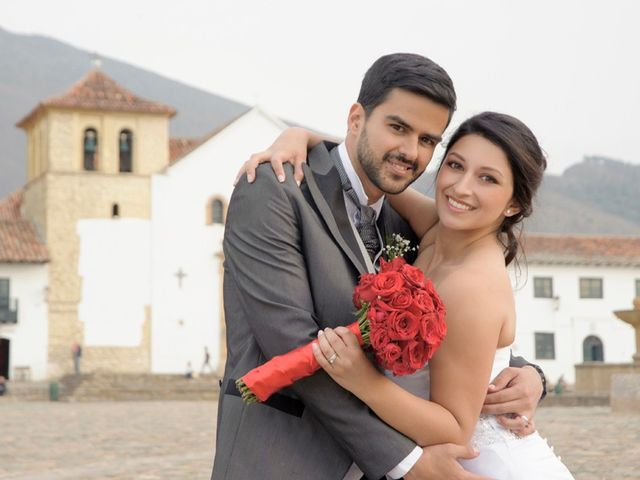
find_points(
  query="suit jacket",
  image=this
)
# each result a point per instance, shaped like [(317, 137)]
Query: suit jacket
[(291, 263)]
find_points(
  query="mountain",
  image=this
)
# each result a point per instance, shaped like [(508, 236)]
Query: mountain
[(33, 68), (598, 196)]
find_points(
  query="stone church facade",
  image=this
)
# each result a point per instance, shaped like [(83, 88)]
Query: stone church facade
[(76, 167), (115, 242)]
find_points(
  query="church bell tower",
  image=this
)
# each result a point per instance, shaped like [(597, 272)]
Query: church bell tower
[(91, 154)]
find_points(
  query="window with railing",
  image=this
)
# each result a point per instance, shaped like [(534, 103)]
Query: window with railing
[(8, 306)]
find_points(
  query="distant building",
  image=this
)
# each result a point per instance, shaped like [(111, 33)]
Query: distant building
[(24, 281), (189, 206), (112, 245), (565, 308)]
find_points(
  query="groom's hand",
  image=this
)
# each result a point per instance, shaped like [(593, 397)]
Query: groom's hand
[(513, 396), (440, 462)]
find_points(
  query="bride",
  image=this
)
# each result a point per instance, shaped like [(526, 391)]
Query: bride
[(485, 185)]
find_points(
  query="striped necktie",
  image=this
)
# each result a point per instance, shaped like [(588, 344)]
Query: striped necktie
[(365, 218)]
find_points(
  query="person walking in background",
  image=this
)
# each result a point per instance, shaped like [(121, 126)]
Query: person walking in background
[(205, 362), (76, 353)]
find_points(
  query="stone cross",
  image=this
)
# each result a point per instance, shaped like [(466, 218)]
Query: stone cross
[(180, 274)]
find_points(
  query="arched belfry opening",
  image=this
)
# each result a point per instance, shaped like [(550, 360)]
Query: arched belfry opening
[(90, 149)]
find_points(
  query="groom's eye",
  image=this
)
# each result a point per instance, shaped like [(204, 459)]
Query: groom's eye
[(397, 128), (429, 141)]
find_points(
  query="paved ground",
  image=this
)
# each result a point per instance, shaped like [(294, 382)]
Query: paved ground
[(175, 440)]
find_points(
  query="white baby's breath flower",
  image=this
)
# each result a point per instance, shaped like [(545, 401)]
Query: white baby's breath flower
[(397, 246)]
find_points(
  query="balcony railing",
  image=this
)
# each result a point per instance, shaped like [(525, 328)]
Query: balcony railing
[(9, 313)]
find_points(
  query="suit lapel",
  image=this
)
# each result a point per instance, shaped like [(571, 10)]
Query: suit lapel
[(326, 190), (383, 223)]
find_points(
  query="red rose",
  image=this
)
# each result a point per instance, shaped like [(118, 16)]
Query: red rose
[(422, 302), (413, 275), (371, 313), (379, 337), (377, 318), (401, 366), (389, 354), (401, 300), (385, 284), (383, 306), (395, 265), (364, 290), (416, 354), (433, 328), (403, 325)]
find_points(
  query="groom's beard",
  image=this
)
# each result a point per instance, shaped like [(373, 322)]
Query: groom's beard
[(373, 168)]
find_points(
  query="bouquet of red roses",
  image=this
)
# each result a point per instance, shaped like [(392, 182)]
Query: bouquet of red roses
[(399, 315)]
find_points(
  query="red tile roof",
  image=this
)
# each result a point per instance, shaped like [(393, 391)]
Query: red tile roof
[(582, 250), (19, 241), (97, 91), (179, 147)]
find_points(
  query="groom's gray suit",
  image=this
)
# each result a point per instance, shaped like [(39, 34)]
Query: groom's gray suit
[(291, 263)]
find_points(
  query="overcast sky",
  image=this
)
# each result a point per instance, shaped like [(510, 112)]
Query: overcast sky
[(568, 68)]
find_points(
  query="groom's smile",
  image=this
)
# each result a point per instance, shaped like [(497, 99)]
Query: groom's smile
[(399, 164), (392, 144)]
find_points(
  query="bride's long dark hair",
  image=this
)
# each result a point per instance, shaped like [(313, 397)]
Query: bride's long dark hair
[(526, 160)]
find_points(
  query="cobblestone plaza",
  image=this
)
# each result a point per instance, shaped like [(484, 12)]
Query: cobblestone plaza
[(175, 440)]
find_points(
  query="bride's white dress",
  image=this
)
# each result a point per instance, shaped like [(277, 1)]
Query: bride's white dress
[(503, 455)]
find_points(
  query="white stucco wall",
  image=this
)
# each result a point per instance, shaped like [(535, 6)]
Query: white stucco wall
[(29, 336), (187, 318), (572, 318), (114, 265)]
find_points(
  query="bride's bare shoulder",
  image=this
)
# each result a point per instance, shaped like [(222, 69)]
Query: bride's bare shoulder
[(478, 283)]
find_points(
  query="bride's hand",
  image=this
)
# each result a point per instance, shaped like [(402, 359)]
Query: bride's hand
[(340, 355), (290, 147)]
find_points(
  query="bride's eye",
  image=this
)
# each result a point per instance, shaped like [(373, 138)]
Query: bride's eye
[(488, 179), (454, 165)]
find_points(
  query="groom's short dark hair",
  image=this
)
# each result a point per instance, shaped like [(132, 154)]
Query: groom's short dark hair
[(407, 71)]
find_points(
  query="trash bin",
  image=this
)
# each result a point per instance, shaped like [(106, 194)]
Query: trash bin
[(53, 391)]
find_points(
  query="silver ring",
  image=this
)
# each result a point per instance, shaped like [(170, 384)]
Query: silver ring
[(526, 420), (332, 358)]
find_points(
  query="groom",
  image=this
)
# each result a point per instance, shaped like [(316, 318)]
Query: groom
[(292, 258)]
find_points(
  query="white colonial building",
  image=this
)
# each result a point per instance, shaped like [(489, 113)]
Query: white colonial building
[(189, 202), (115, 242), (566, 294), (23, 295)]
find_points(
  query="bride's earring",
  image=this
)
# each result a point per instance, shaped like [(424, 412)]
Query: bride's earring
[(508, 212)]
